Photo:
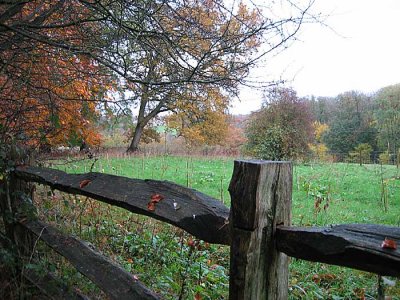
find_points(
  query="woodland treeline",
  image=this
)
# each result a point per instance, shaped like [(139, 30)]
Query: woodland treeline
[(352, 126), (91, 73)]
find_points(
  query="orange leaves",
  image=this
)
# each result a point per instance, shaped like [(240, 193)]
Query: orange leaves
[(202, 121), (195, 244), (389, 244), (84, 183), (51, 107), (155, 198), (151, 206), (49, 94)]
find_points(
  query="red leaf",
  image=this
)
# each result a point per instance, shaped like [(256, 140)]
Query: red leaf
[(197, 296), (191, 243), (316, 278), (389, 244), (156, 198), (151, 206), (84, 183)]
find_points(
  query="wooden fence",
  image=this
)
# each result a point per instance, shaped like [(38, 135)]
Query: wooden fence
[(257, 229)]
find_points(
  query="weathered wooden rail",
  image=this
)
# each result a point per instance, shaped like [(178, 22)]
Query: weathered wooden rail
[(257, 229), (198, 214)]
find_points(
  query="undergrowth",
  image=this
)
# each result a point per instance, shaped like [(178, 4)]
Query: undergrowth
[(177, 266)]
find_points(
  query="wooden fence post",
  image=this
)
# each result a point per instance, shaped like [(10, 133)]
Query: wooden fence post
[(16, 196), (261, 194), (15, 205)]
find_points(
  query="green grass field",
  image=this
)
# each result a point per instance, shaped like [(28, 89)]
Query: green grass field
[(164, 257)]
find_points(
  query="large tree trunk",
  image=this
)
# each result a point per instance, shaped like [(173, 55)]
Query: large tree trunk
[(134, 145), (143, 119)]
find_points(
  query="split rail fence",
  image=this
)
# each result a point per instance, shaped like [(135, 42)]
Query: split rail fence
[(257, 229)]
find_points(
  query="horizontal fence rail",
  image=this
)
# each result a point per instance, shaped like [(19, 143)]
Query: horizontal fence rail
[(51, 286), (257, 229), (358, 246), (44, 281), (110, 277), (202, 216)]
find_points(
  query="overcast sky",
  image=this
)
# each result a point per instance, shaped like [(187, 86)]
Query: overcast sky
[(362, 52)]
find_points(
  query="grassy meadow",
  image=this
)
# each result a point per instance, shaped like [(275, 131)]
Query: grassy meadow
[(170, 262)]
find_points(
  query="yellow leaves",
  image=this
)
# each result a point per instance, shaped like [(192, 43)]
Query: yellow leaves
[(193, 135), (205, 21), (208, 127), (200, 116), (319, 130), (320, 151)]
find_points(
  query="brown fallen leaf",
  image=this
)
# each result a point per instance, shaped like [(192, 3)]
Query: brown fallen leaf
[(360, 293), (197, 296), (317, 278), (389, 244), (84, 183), (155, 198)]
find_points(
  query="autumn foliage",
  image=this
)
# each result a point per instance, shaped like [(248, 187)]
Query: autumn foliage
[(318, 148), (57, 58), (217, 46), (200, 117), (48, 95), (44, 102)]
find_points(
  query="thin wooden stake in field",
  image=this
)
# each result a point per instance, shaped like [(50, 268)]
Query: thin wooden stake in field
[(261, 200)]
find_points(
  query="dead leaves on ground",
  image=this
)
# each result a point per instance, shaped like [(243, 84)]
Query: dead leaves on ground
[(323, 278)]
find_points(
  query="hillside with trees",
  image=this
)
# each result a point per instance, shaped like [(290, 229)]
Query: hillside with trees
[(347, 127)]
